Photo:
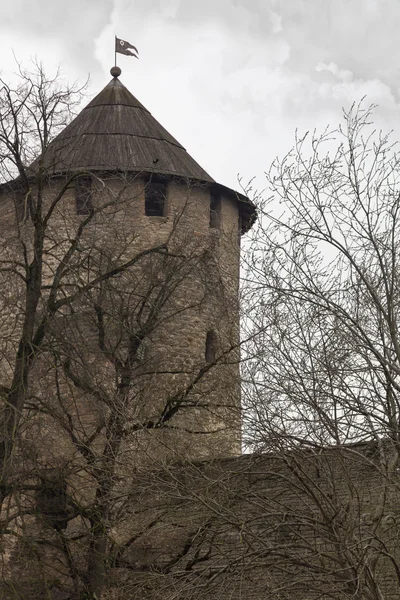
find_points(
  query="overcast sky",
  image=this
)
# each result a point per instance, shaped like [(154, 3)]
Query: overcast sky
[(230, 79)]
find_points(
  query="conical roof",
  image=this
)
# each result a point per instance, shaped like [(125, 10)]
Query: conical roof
[(116, 132)]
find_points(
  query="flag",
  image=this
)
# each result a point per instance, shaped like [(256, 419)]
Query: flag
[(122, 47)]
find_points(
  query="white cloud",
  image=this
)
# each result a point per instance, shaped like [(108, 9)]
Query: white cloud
[(230, 79)]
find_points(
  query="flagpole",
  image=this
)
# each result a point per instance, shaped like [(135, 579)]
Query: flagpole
[(115, 50)]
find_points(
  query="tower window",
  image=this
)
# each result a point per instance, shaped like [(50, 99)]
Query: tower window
[(51, 502), (215, 211), (155, 198), (211, 346), (240, 228), (21, 206), (83, 196)]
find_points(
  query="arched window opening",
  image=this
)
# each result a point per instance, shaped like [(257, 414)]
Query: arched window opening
[(211, 346), (215, 211)]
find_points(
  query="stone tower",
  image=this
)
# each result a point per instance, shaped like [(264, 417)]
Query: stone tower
[(167, 335), (119, 337)]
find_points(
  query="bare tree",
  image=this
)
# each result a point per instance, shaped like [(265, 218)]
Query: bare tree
[(31, 115), (96, 413), (89, 397), (322, 370), (313, 512)]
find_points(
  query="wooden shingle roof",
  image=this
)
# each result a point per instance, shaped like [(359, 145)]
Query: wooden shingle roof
[(116, 132)]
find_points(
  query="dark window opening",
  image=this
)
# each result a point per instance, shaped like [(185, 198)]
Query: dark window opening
[(240, 228), (211, 346), (155, 198), (52, 502), (21, 206), (83, 196), (215, 211)]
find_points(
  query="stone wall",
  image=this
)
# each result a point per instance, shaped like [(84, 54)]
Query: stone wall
[(200, 280), (307, 525), (97, 393)]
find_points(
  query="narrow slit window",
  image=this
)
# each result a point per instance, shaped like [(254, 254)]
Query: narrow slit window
[(155, 198), (211, 346), (83, 196), (21, 206), (240, 228), (215, 211)]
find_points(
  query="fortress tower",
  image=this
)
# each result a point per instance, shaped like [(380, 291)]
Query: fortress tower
[(119, 369), (119, 330), (141, 254)]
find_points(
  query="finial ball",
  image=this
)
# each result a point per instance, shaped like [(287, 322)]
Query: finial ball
[(115, 71)]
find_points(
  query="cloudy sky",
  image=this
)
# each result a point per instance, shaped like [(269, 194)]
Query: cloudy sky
[(230, 79)]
